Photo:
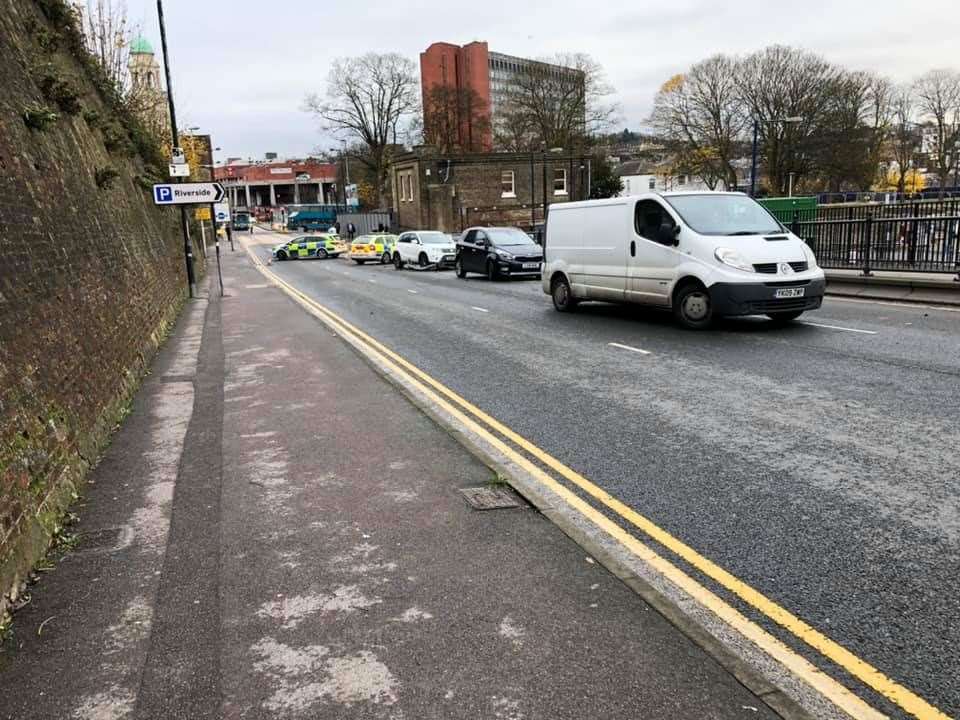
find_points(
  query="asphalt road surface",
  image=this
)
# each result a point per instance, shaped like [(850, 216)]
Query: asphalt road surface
[(817, 462)]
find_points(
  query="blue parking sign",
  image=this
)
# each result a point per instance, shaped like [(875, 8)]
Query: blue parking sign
[(162, 194)]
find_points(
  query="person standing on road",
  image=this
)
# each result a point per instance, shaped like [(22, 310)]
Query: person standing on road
[(351, 230), (337, 226)]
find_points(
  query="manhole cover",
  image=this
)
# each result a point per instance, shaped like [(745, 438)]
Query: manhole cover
[(490, 498)]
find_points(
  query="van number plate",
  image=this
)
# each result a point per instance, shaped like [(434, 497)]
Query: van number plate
[(789, 293)]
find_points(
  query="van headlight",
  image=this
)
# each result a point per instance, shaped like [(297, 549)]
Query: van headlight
[(811, 258), (732, 258)]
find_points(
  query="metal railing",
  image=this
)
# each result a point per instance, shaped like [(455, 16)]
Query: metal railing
[(907, 243)]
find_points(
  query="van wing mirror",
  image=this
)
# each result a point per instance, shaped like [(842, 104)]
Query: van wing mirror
[(668, 234)]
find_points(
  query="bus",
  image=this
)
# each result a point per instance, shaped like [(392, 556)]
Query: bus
[(302, 218)]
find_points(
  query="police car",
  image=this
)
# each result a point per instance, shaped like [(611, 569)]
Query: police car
[(310, 246), (377, 247)]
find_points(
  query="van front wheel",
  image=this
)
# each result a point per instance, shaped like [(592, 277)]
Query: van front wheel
[(692, 306), (563, 299)]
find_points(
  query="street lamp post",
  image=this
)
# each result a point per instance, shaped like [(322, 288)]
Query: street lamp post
[(187, 250), (533, 198), (343, 173), (544, 151), (753, 155)]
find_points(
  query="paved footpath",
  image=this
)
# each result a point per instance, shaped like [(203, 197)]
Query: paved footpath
[(275, 532)]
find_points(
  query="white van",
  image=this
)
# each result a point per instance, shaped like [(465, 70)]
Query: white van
[(700, 254)]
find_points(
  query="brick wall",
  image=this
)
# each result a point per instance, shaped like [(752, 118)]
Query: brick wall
[(91, 276), (472, 193)]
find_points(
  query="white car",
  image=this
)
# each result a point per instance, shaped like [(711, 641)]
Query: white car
[(424, 248), (701, 255)]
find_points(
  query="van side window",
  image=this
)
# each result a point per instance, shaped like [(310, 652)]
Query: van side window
[(649, 215)]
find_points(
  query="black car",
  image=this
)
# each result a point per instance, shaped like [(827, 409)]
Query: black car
[(498, 252)]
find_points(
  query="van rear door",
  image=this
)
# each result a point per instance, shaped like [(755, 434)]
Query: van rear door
[(604, 233)]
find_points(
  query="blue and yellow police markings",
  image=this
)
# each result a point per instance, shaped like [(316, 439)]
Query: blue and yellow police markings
[(376, 247), (321, 246)]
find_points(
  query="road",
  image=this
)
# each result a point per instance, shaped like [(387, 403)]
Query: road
[(816, 462)]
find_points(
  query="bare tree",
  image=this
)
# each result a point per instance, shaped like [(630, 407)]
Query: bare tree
[(700, 117), (557, 102), (905, 137), (366, 99), (938, 102), (456, 119), (778, 83), (108, 31)]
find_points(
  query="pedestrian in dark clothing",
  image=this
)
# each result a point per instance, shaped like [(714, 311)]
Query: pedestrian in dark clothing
[(337, 226)]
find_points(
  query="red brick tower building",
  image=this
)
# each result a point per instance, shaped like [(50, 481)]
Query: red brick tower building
[(461, 70)]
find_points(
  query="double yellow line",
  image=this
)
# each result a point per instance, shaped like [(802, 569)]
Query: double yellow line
[(478, 422)]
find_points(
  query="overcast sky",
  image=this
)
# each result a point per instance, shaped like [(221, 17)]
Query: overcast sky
[(241, 68)]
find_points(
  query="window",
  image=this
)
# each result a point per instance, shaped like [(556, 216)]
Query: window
[(406, 186), (560, 181), (681, 179), (401, 191), (507, 184), (653, 183), (649, 215), (722, 214), (505, 237)]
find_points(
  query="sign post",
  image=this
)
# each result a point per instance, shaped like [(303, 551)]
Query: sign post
[(216, 239)]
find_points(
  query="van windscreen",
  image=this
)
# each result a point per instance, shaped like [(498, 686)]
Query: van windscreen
[(724, 214)]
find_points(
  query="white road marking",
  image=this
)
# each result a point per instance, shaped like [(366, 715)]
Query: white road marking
[(411, 291), (372, 280), (346, 273), (837, 327), (834, 298), (478, 309), (631, 349)]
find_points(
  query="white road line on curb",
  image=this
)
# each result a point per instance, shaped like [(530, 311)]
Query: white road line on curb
[(894, 304), (628, 347), (478, 309), (837, 327)]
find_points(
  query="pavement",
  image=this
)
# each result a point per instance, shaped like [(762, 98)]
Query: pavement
[(814, 462), (927, 288), (276, 532)]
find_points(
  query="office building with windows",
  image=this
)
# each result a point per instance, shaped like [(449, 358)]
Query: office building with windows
[(482, 82)]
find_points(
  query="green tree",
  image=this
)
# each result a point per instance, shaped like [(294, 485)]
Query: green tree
[(603, 182)]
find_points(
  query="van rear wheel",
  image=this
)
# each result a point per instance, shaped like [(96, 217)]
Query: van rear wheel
[(692, 306), (563, 299), (397, 261)]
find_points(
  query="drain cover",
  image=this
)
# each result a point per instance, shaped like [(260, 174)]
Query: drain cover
[(490, 498)]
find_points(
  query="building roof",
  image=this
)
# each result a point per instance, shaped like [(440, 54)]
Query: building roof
[(632, 167), (141, 46), (278, 171)]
